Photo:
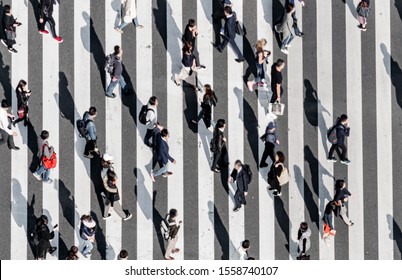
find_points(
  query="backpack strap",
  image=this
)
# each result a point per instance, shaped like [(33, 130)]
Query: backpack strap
[(148, 109)]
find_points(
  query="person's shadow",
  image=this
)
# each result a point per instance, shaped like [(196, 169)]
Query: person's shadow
[(191, 110), (396, 234), (221, 232), (314, 111), (66, 103), (5, 78), (351, 6), (395, 75), (278, 13)]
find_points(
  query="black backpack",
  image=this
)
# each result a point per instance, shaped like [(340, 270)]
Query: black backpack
[(212, 146), (142, 117), (248, 172), (109, 63), (82, 127), (331, 133)]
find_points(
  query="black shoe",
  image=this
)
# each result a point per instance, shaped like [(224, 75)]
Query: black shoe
[(263, 165), (218, 48), (271, 189), (107, 217), (12, 50), (216, 170), (240, 60), (15, 148), (236, 209), (301, 34), (88, 156), (277, 193), (202, 66), (52, 250), (111, 96)]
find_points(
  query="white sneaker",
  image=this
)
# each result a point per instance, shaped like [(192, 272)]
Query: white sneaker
[(49, 181), (37, 176), (118, 29), (288, 46), (285, 51)]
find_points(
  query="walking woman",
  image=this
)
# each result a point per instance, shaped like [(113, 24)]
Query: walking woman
[(285, 27), (261, 56), (362, 12), (189, 68), (275, 172), (44, 235), (208, 101), (128, 14), (9, 25), (303, 237), (23, 95), (340, 198), (329, 229)]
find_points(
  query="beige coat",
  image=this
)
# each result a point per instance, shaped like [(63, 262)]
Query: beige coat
[(129, 10)]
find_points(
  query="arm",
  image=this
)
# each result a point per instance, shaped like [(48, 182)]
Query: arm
[(304, 245), (174, 230), (47, 151), (91, 130), (42, 9)]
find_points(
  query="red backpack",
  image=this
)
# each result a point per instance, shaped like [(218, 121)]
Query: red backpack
[(49, 162)]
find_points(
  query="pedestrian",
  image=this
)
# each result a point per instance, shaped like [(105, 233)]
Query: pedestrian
[(45, 150), (44, 235), (276, 171), (218, 146), (106, 163), (342, 131), (295, 26), (116, 73), (123, 255), (303, 237), (189, 67), (219, 14), (10, 27), (72, 254), (270, 140), (173, 230), (87, 232), (23, 95), (5, 128), (241, 175), (329, 229), (340, 198), (91, 133), (162, 155), (243, 250), (151, 121), (261, 56), (229, 34), (190, 33), (128, 14), (209, 100), (276, 81), (46, 15), (362, 12), (284, 28), (112, 198)]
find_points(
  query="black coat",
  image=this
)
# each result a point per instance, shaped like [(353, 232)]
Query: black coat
[(8, 24), (44, 236), (46, 8), (218, 139), (241, 179)]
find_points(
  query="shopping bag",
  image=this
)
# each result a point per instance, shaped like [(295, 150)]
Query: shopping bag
[(276, 108)]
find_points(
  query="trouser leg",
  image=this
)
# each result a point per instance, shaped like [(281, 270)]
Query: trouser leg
[(52, 25), (171, 244), (162, 170), (236, 49), (343, 215), (344, 151), (110, 87), (148, 135), (119, 211), (217, 156), (87, 247)]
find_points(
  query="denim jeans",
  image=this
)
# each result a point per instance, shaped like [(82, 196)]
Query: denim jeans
[(124, 24), (87, 247), (42, 171), (113, 84), (162, 170), (260, 72), (286, 41), (234, 46)]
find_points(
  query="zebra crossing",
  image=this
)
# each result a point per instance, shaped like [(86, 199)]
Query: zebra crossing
[(67, 79)]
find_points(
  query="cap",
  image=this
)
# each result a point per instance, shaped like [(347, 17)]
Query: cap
[(271, 125), (107, 157)]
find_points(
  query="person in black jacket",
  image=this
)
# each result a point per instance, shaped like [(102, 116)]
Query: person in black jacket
[(340, 198), (342, 131), (173, 231), (219, 145), (9, 26), (270, 140), (229, 34), (46, 15), (162, 155), (240, 176), (23, 95), (117, 75), (329, 229), (275, 172), (209, 100), (44, 235)]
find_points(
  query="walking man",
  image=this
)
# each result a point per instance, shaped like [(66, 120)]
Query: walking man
[(340, 198), (284, 28), (276, 81), (44, 151), (270, 140), (342, 131), (295, 27), (218, 145), (241, 176), (229, 34), (91, 136), (173, 230), (162, 155), (87, 232), (46, 15), (151, 120), (243, 250), (5, 128), (116, 74)]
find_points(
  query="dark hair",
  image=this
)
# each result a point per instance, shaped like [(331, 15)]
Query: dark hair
[(7, 9), (4, 103), (92, 111), (303, 226), (111, 175), (164, 132), (281, 156), (279, 62), (289, 7), (152, 100), (220, 123), (343, 118), (238, 162), (21, 84), (187, 47), (245, 244), (228, 10), (44, 134), (123, 254), (339, 184), (86, 217), (329, 207), (191, 22), (72, 253), (172, 213), (116, 49), (250, 258)]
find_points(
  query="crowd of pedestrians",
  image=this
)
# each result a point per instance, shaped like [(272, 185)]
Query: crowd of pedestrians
[(157, 136)]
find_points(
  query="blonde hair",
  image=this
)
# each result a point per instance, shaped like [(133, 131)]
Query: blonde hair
[(260, 45)]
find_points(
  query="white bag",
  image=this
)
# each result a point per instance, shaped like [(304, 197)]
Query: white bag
[(276, 108)]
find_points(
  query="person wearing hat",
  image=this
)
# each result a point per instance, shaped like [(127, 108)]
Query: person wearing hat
[(5, 128), (106, 163), (303, 237), (87, 233), (270, 140), (44, 235)]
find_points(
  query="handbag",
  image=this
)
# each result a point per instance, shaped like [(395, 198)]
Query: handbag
[(276, 108), (283, 179), (239, 29), (11, 35)]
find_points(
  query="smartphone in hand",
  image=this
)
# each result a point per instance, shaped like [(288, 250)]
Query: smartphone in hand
[(55, 226)]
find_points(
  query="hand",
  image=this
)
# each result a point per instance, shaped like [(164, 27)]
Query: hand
[(278, 100), (224, 139), (230, 180), (302, 3), (41, 20), (114, 79), (174, 162), (15, 134), (181, 222), (245, 193), (345, 199), (277, 142)]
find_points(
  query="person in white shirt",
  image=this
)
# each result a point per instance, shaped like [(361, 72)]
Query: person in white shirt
[(243, 250), (152, 120), (5, 129)]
